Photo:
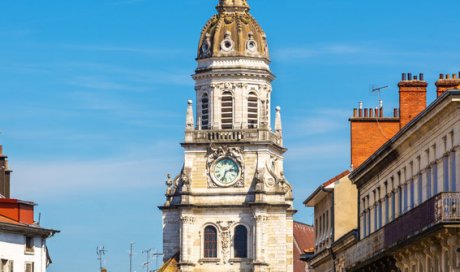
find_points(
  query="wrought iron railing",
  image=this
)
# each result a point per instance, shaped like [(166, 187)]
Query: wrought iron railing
[(440, 209)]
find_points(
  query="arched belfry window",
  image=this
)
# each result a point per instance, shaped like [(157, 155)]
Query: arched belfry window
[(210, 242), (253, 110), (240, 242), (227, 110), (205, 111)]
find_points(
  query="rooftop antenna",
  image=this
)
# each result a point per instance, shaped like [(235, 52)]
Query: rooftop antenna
[(100, 251), (379, 90), (147, 252), (157, 255), (131, 257)]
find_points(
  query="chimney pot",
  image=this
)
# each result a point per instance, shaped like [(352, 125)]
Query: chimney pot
[(366, 112), (448, 76), (355, 112), (371, 112), (441, 76), (395, 113), (422, 77), (409, 75), (404, 76), (415, 78), (454, 76)]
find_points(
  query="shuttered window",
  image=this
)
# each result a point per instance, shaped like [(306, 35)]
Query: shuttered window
[(205, 112), (227, 110), (29, 267), (253, 110)]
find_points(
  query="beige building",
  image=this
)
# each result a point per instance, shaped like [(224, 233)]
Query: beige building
[(335, 222), (408, 200), (230, 208), (409, 210)]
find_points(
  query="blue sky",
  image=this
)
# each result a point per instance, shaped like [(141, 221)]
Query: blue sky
[(94, 92)]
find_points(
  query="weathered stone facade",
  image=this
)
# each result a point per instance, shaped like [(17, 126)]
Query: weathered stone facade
[(233, 160)]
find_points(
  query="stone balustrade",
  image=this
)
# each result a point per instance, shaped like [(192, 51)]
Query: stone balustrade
[(232, 135)]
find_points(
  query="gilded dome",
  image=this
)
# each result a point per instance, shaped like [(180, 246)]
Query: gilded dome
[(232, 32)]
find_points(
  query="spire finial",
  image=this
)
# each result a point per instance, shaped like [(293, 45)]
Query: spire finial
[(190, 122), (278, 126), (232, 5)]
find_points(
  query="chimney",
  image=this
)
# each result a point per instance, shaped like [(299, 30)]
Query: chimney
[(446, 82), (5, 174), (412, 97)]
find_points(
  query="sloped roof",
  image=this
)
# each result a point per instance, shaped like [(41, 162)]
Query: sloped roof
[(170, 265), (304, 241)]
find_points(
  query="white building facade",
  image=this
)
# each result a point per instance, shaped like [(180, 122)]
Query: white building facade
[(230, 208), (23, 249)]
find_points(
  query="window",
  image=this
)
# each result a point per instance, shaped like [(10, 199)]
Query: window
[(428, 183), (253, 110), (364, 224), (227, 110), (405, 198), (29, 267), (205, 112), (387, 212), (435, 179), (393, 205), (419, 189), (400, 203), (241, 242), (412, 194), (6, 266), (453, 172), (29, 244), (445, 166), (210, 242), (380, 214)]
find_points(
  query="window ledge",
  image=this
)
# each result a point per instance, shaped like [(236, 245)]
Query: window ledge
[(240, 260), (209, 260), (29, 252)]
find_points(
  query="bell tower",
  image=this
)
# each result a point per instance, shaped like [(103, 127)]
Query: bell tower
[(230, 208)]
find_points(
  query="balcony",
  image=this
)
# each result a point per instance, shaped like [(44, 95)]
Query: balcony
[(232, 135), (443, 208)]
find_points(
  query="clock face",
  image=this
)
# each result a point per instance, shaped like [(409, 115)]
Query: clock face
[(226, 171)]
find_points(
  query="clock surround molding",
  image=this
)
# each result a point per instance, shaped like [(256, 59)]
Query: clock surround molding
[(218, 153)]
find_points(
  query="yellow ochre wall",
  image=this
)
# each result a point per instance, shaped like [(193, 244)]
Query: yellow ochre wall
[(345, 207)]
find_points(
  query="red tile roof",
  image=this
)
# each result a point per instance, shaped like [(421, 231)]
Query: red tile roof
[(336, 178), (304, 240)]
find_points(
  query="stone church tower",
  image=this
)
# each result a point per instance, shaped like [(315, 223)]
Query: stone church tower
[(230, 208)]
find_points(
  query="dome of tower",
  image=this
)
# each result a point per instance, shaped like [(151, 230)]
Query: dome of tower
[(232, 32)]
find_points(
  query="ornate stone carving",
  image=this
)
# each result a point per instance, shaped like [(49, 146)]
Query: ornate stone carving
[(225, 239), (216, 153)]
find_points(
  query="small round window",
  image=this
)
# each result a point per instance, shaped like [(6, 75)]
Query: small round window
[(252, 46), (227, 45)]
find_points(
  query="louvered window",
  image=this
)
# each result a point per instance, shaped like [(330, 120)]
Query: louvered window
[(227, 110), (29, 267), (210, 242), (205, 112), (253, 110), (241, 242)]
